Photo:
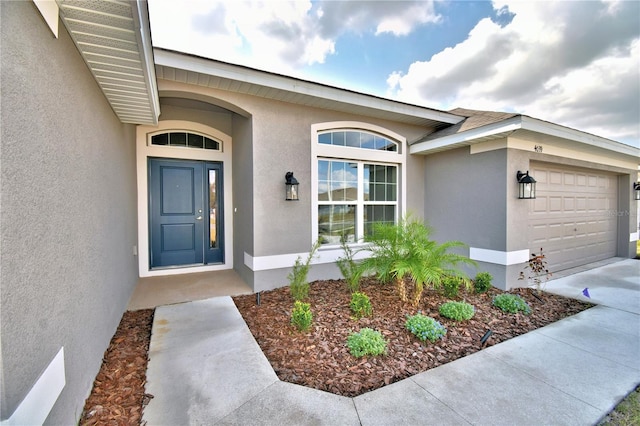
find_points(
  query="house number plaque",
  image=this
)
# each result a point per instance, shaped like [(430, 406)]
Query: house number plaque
[(537, 148)]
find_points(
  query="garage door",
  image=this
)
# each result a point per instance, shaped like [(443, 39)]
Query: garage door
[(573, 217)]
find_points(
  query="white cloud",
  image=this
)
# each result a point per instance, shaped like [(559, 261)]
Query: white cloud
[(573, 63), (281, 36), (407, 18)]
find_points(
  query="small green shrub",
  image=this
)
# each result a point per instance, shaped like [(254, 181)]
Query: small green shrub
[(301, 316), (366, 342), (451, 287), (482, 282), (360, 305), (459, 311), (424, 327), (511, 303), (298, 284), (349, 268)]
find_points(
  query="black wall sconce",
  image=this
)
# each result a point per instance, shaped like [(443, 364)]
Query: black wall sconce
[(526, 186), (291, 184), (636, 191)]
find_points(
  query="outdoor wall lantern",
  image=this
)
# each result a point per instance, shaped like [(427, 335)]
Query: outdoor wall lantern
[(636, 190), (526, 186), (291, 184)]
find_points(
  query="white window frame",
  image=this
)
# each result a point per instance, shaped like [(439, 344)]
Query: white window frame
[(344, 153)]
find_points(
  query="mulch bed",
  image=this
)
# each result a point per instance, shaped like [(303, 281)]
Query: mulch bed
[(118, 397), (320, 358)]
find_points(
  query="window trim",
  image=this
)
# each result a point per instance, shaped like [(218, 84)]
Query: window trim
[(330, 152)]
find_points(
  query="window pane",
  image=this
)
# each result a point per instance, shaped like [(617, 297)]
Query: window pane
[(211, 144), (338, 138), (391, 175), (325, 138), (336, 222), (342, 181), (323, 180), (381, 185), (195, 141), (213, 209), (391, 193), (162, 139), (377, 214), (353, 139), (384, 144), (178, 139), (367, 141)]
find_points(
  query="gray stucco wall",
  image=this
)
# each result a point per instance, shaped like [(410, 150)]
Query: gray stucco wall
[(243, 195), (465, 197), (269, 139), (68, 220)]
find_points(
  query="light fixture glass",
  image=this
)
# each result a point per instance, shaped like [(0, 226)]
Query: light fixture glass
[(636, 191), (526, 186), (291, 184)]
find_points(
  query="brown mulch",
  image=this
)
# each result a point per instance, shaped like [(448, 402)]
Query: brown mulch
[(118, 397), (320, 358)]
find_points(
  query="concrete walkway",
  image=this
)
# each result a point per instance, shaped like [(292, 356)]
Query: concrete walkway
[(205, 368)]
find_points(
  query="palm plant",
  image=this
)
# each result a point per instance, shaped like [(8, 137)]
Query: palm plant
[(406, 250)]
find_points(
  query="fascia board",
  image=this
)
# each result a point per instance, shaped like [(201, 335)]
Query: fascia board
[(469, 137), (140, 16), (290, 84), (551, 129)]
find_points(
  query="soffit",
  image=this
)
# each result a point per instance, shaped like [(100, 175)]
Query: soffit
[(194, 70), (114, 40)]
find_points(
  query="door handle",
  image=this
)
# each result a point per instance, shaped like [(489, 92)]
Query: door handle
[(199, 218)]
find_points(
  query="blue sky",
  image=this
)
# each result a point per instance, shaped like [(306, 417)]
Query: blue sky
[(575, 63)]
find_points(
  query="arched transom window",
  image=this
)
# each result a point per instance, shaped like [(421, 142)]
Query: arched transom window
[(357, 139), (186, 140)]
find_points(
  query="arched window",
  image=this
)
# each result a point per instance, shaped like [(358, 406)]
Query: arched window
[(357, 175), (187, 140), (357, 139)]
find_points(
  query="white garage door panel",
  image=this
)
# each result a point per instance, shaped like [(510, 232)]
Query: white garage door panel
[(573, 217)]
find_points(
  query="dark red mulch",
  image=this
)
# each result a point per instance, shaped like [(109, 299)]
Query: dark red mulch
[(320, 359), (118, 397)]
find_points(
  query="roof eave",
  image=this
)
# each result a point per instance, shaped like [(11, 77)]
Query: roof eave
[(114, 40), (470, 137), (521, 122), (294, 86)]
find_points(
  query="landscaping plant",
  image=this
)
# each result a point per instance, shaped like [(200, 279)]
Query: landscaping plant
[(482, 282), (425, 328), (349, 268), (459, 311), (405, 250), (538, 271), (360, 305), (451, 287), (511, 303), (298, 284), (301, 316), (366, 342)]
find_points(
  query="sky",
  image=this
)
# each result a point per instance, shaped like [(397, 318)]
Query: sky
[(574, 63)]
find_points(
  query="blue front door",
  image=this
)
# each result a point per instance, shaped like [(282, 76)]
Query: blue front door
[(185, 213)]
